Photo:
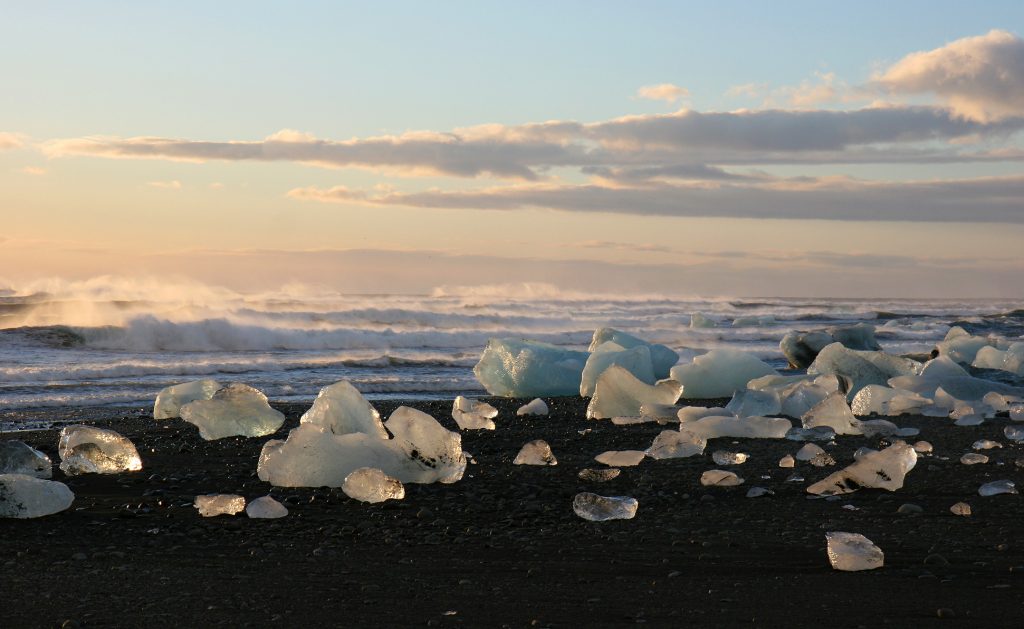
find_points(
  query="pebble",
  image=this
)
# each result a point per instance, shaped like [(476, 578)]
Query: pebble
[(945, 612), (909, 509)]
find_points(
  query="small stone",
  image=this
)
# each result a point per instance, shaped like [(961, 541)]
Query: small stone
[(536, 452), (720, 478), (620, 458), (265, 508), (945, 612), (923, 447), (960, 508), (757, 492), (599, 476), (787, 461), (973, 458), (600, 508), (986, 444), (852, 552), (721, 457), (909, 509)]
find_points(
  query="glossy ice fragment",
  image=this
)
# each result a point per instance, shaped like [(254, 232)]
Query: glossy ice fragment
[(660, 412), (923, 447), (815, 455), (801, 348), (472, 414), (265, 508), (749, 402), (757, 492), (719, 373), (861, 368), (601, 508), (17, 457), (787, 461), (834, 413), (851, 552), (693, 413), (878, 428), (211, 505), (720, 478), (90, 450), (886, 401), (536, 452), (620, 458), (519, 368), (636, 361), (369, 484), (1013, 433), (342, 409), (662, 357), (885, 469), (960, 508), (818, 433), (997, 487), (738, 427), (985, 444), (23, 496), (674, 444), (170, 399), (619, 393), (535, 406), (721, 457), (235, 410)]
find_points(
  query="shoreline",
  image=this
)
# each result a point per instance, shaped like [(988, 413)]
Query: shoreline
[(502, 547)]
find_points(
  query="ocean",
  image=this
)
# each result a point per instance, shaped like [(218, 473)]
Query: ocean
[(101, 346)]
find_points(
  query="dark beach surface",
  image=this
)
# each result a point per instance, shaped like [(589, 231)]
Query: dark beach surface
[(502, 547)]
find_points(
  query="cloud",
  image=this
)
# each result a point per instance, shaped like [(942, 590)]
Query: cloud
[(32, 170), (981, 77), (11, 141), (174, 184), (988, 199), (663, 91)]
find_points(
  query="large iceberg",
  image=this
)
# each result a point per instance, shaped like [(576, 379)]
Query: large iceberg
[(235, 410), (801, 348), (519, 368), (23, 496), (342, 409), (861, 368), (422, 451), (90, 450), (662, 357), (17, 457), (170, 400), (719, 373), (883, 469), (619, 393), (636, 361)]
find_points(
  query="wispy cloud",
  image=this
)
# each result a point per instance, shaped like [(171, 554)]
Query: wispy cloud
[(32, 170), (11, 140), (173, 184), (663, 91)]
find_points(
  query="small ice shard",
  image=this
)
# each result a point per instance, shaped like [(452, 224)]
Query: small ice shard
[(698, 320), (619, 393), (923, 447), (738, 427), (851, 552), (472, 414), (342, 409), (235, 410), (600, 508), (787, 461), (23, 496), (620, 458), (960, 508), (536, 452), (693, 413), (719, 373), (675, 444), (636, 361), (795, 477), (662, 358), (881, 470), (815, 455), (748, 402), (985, 444), (90, 450), (1014, 433), (170, 400), (997, 487), (861, 368), (536, 406), (801, 348), (720, 478), (660, 412), (879, 428), (369, 484), (599, 476), (834, 413), (422, 451), (265, 508), (17, 457), (212, 505), (518, 368), (721, 457), (818, 433), (757, 492), (973, 458)]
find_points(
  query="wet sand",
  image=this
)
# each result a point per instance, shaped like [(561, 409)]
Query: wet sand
[(503, 547)]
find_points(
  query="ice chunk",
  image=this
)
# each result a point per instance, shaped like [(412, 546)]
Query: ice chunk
[(737, 427), (985, 444), (422, 451), (342, 409), (536, 452), (999, 402), (973, 458), (23, 496), (90, 450), (212, 505), (1017, 413), (801, 397), (881, 470), (620, 458), (923, 447), (170, 400), (235, 410), (815, 455), (619, 393), (673, 444), (265, 508), (662, 358), (886, 401), (693, 413), (517, 368), (777, 383), (787, 461), (535, 406), (960, 508), (962, 347), (801, 348), (721, 457), (851, 552), (369, 484), (632, 420), (834, 413), (1013, 433), (719, 373), (964, 388), (818, 433), (17, 457), (997, 487), (698, 320), (880, 427), (660, 412), (747, 402), (720, 478), (861, 368), (472, 414), (636, 361), (600, 508), (757, 492), (599, 476)]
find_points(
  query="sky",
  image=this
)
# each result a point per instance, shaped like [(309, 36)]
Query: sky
[(729, 148)]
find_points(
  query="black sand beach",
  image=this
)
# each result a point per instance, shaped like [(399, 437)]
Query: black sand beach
[(503, 548)]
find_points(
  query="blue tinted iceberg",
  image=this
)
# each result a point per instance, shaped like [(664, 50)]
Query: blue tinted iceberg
[(662, 357), (636, 361), (518, 368), (342, 409)]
